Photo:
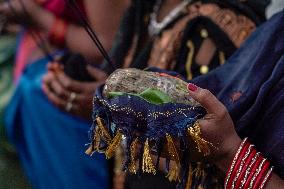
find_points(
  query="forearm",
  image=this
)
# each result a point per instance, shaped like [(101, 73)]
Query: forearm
[(275, 182), (76, 38)]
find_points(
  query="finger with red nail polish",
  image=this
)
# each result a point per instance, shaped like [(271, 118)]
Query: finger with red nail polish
[(191, 87)]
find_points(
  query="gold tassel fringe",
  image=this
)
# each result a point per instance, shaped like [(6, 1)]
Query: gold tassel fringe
[(202, 145), (132, 165), (103, 131), (114, 145), (174, 172), (189, 178), (94, 147), (147, 163)]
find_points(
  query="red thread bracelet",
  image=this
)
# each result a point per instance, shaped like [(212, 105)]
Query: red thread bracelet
[(57, 32)]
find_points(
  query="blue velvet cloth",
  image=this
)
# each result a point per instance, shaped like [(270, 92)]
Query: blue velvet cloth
[(135, 115), (50, 143)]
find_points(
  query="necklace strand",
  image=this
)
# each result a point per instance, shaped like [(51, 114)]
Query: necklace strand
[(156, 27)]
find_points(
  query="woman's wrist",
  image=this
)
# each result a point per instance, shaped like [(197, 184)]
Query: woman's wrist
[(228, 152)]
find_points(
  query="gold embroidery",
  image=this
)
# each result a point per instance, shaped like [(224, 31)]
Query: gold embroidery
[(189, 60), (222, 58), (204, 69)]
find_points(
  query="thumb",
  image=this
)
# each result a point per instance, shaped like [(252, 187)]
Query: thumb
[(206, 99)]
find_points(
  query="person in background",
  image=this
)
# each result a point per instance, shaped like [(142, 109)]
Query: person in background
[(59, 27), (49, 140)]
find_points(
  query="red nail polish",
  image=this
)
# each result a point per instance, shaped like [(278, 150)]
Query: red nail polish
[(191, 87)]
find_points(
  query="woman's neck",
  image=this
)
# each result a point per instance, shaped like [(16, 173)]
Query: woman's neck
[(166, 7)]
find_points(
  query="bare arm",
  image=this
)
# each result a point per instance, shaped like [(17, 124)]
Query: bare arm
[(104, 17)]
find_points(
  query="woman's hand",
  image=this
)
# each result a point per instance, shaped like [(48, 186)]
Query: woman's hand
[(69, 95), (216, 127), (19, 10)]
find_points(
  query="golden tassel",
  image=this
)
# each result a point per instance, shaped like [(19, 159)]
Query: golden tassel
[(200, 187), (90, 151), (113, 146), (132, 166), (174, 172), (202, 145), (189, 178), (94, 147), (103, 131), (199, 172), (147, 163)]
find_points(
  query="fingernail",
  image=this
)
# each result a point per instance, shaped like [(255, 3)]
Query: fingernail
[(192, 87)]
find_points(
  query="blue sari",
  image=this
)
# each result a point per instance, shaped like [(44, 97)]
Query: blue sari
[(51, 143), (251, 86)]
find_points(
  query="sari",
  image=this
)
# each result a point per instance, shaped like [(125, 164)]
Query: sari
[(251, 84), (11, 174)]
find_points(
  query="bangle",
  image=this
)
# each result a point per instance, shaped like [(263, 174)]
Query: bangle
[(57, 32), (243, 174), (262, 173), (248, 170), (256, 173), (228, 176), (241, 166), (266, 178), (253, 170)]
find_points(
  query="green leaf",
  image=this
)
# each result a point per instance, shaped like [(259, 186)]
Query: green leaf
[(153, 96)]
